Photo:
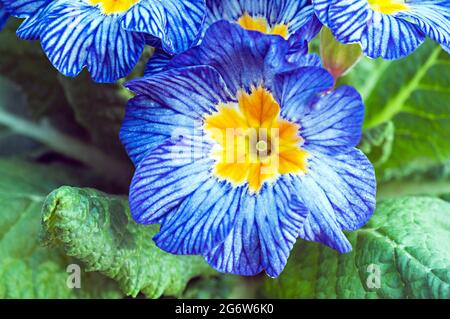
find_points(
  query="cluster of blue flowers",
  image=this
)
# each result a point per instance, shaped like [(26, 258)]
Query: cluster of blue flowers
[(240, 65)]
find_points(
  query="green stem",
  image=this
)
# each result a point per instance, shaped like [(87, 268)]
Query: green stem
[(397, 103), (92, 157)]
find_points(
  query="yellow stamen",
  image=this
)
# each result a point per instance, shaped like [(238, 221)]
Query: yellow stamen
[(388, 6), (114, 6), (254, 144), (260, 24)]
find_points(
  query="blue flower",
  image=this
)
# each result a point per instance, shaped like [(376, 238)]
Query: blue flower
[(296, 172), (292, 19), (390, 29), (107, 36)]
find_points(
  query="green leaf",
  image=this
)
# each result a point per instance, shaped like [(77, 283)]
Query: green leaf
[(433, 182), (13, 101), (13, 122), (99, 108), (98, 229), (24, 63), (337, 58), (27, 269), (407, 240), (413, 94), (376, 143)]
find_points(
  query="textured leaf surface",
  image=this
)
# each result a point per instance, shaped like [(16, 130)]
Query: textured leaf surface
[(98, 229), (413, 93), (408, 239), (27, 269)]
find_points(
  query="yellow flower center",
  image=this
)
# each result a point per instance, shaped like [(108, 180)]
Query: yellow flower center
[(260, 24), (254, 144), (388, 6), (114, 6)]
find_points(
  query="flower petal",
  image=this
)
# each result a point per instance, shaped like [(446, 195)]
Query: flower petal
[(250, 59), (30, 29), (203, 220), (335, 121), (294, 13), (176, 22), (24, 8), (348, 19), (381, 35), (168, 103), (339, 192), (157, 63), (298, 42), (264, 232), (74, 34), (166, 176), (433, 18), (348, 179), (298, 89), (390, 37)]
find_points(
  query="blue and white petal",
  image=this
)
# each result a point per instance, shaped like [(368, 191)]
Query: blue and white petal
[(166, 176), (433, 18), (348, 19), (262, 239), (203, 220), (157, 63), (251, 58), (74, 34), (294, 13), (170, 102), (298, 90), (30, 29), (335, 122), (390, 37), (339, 192), (176, 22), (24, 8), (299, 41)]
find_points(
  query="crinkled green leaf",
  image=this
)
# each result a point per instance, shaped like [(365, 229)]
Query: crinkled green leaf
[(337, 58), (98, 229), (28, 269), (414, 94), (407, 240)]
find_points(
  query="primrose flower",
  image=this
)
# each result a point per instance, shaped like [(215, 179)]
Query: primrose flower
[(108, 36), (293, 20), (239, 152), (390, 29)]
